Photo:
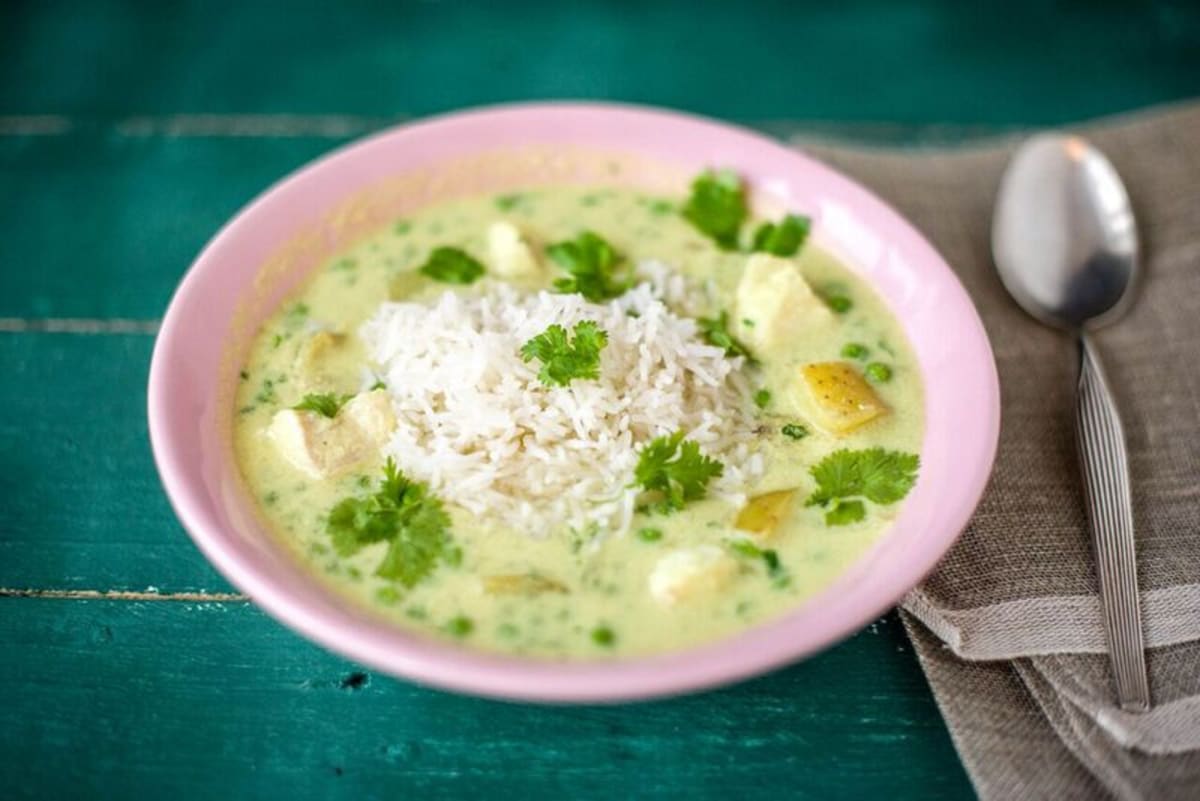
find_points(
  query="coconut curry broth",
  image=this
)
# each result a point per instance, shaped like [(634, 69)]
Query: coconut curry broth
[(594, 601)]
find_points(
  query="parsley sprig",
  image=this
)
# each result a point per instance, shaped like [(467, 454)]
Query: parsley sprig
[(674, 470), (452, 266), (402, 513), (845, 478), (326, 404), (775, 569), (563, 359), (783, 238), (716, 332), (593, 267), (717, 206)]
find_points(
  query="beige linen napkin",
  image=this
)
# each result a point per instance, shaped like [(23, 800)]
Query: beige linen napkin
[(1008, 626)]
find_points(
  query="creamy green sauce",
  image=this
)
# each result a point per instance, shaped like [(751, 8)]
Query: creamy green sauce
[(607, 609)]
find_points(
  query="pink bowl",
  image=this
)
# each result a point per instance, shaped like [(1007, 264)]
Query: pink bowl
[(273, 243)]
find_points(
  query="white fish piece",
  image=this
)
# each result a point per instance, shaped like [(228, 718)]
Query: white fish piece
[(321, 447), (775, 303), (689, 572), (511, 255)]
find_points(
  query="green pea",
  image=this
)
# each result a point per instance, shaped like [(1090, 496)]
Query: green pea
[(650, 534), (878, 372), (855, 350), (603, 636)]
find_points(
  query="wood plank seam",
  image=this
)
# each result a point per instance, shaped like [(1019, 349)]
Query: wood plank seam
[(77, 325), (328, 126), (34, 125), (124, 595)]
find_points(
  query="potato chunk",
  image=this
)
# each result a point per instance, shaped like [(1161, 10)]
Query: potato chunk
[(528, 584), (511, 256), (691, 572), (762, 513), (775, 303), (321, 447), (837, 398)]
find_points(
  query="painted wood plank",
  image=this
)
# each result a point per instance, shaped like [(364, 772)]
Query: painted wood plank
[(82, 505), (126, 699), (103, 226), (871, 60)]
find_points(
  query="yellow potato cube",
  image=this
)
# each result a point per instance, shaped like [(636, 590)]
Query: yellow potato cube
[(762, 513), (837, 398)]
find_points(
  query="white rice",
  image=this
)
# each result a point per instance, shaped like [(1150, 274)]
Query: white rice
[(477, 424)]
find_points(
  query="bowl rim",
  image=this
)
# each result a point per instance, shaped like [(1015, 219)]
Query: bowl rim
[(820, 620)]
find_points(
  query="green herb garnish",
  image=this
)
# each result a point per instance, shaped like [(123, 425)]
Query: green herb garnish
[(650, 534), (837, 302), (845, 512), (564, 360), (762, 398), (716, 332), (717, 207), (676, 470), (783, 238), (452, 266), (592, 264), (402, 513), (845, 477), (604, 636), (325, 404), (460, 626), (508, 202), (775, 569), (795, 431), (878, 372)]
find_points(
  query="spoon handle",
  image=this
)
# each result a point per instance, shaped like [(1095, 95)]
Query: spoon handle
[(1105, 468)]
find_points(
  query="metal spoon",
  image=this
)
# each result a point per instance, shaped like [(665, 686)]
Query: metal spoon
[(1065, 244)]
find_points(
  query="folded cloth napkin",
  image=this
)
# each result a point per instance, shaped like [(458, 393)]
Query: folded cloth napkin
[(1008, 627)]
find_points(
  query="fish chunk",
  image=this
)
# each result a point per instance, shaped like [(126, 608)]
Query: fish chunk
[(690, 572), (321, 447), (511, 256), (775, 303)]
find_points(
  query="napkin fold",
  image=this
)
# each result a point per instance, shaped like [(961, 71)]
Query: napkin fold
[(1008, 627)]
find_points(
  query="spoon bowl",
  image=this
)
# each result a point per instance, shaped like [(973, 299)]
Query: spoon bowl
[(1064, 237)]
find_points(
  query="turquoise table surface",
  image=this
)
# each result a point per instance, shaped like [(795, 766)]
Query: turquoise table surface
[(130, 131)]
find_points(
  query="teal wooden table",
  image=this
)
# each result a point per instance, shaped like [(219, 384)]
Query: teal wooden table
[(129, 132)]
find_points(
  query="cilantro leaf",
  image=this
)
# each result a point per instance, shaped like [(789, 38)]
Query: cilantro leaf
[(783, 238), (716, 332), (717, 206), (452, 266), (775, 569), (405, 515), (879, 475), (844, 512), (592, 264), (564, 360), (674, 468), (326, 403)]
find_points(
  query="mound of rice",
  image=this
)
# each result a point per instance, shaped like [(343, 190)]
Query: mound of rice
[(477, 424)]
